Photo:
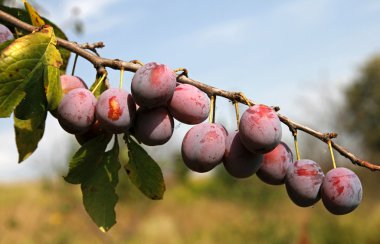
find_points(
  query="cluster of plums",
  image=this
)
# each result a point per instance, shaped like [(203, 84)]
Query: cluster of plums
[(256, 148)]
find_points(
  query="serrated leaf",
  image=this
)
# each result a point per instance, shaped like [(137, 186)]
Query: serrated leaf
[(144, 172), (34, 16), (28, 134), (22, 15), (99, 194), (84, 161), (22, 67)]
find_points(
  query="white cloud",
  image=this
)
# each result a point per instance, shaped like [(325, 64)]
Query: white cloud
[(231, 32)]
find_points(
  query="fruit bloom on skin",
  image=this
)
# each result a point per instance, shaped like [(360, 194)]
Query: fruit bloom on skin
[(153, 126), (237, 160), (5, 34), (115, 110), (341, 191), (275, 165), (69, 82), (260, 129), (203, 147), (303, 182), (153, 85), (76, 112), (189, 105)]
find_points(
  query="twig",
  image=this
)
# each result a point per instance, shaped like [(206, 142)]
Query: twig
[(101, 63)]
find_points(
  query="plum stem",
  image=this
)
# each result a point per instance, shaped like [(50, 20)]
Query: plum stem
[(121, 78), (332, 153), (296, 145), (211, 116), (237, 113), (75, 64), (100, 82)]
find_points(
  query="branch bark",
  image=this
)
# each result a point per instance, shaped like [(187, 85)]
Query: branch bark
[(101, 64)]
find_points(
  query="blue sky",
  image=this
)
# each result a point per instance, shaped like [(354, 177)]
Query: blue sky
[(277, 52)]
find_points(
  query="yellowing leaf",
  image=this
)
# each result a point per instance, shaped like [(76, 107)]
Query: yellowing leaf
[(34, 16), (25, 66)]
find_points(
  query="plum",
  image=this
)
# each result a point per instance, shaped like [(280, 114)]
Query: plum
[(5, 34), (76, 111), (115, 110), (237, 160), (275, 165), (303, 182), (189, 105), (341, 191), (153, 85), (203, 147), (70, 82), (153, 126), (94, 131), (260, 129)]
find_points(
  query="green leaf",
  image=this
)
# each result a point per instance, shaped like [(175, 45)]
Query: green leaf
[(28, 134), (99, 194), (84, 161), (24, 16), (22, 67), (144, 172)]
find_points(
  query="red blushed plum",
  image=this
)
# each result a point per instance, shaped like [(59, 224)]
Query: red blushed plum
[(203, 147), (76, 112), (5, 34), (260, 129), (69, 82), (153, 85), (341, 191), (115, 110), (153, 126), (303, 182), (275, 165), (237, 160), (189, 105)]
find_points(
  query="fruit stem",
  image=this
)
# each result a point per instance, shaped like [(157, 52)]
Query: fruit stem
[(75, 64), (245, 99), (137, 62), (296, 145), (212, 110), (121, 78), (237, 113), (100, 82), (185, 72), (332, 153)]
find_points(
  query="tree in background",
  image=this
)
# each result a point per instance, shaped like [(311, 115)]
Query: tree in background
[(362, 107)]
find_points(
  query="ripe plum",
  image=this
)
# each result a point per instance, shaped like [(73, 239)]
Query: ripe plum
[(237, 160), (153, 126), (303, 182), (5, 34), (260, 129), (275, 164), (341, 191), (153, 85), (189, 104), (115, 110), (203, 146), (76, 112)]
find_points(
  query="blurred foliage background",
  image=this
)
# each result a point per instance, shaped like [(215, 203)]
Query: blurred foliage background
[(216, 208)]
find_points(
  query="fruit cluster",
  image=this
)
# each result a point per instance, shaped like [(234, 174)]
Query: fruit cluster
[(256, 147)]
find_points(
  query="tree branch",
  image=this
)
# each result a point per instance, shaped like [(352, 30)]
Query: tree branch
[(101, 63)]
